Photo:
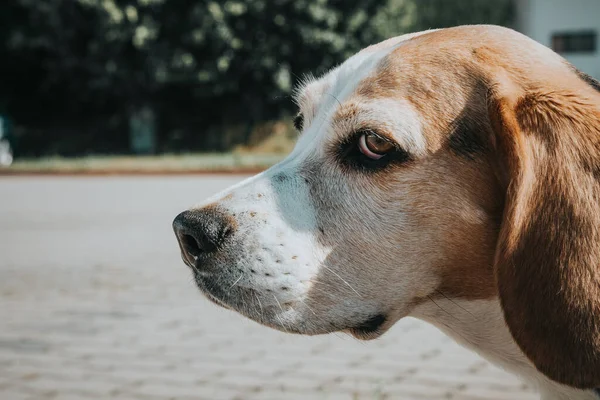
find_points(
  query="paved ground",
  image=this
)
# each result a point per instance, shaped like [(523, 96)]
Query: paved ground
[(95, 303)]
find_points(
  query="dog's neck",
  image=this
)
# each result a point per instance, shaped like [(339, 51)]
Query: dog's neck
[(479, 325)]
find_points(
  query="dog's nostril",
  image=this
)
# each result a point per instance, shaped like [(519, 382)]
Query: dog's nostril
[(190, 245), (198, 244)]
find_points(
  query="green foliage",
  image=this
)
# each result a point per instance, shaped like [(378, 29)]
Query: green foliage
[(73, 70)]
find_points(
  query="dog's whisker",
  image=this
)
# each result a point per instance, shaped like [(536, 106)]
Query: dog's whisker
[(278, 303), (323, 291), (295, 75), (336, 99), (322, 118), (342, 279), (282, 324), (236, 282), (259, 310), (441, 308), (259, 304), (456, 304), (448, 326), (311, 310), (438, 306), (282, 311)]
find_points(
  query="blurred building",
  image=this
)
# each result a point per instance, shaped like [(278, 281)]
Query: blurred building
[(569, 27)]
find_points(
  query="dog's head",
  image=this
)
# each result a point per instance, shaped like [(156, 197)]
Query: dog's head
[(461, 163)]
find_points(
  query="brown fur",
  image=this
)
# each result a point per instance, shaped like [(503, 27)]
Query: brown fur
[(543, 129), (413, 73), (548, 257)]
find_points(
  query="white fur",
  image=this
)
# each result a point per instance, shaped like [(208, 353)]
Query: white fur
[(479, 326), (322, 97)]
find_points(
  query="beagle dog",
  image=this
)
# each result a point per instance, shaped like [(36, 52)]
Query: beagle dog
[(450, 175)]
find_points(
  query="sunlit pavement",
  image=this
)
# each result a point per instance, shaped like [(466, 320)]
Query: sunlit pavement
[(95, 303)]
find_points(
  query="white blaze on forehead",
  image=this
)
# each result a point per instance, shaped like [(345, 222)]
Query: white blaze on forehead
[(351, 72), (319, 98)]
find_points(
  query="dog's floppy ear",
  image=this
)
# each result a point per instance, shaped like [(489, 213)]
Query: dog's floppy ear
[(547, 262)]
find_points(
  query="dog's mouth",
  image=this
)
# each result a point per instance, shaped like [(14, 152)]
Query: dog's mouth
[(210, 291), (372, 328), (242, 302)]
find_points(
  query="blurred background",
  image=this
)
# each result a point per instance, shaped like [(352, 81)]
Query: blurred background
[(95, 302), (98, 77), (108, 77)]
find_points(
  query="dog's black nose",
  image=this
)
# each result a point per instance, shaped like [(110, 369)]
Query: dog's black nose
[(202, 232)]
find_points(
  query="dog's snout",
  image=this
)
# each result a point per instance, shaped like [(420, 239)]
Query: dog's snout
[(202, 232)]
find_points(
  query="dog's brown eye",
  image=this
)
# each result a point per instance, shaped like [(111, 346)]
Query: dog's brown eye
[(374, 146), (299, 122), (368, 151)]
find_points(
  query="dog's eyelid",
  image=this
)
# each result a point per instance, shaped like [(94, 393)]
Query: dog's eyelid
[(350, 154), (382, 135)]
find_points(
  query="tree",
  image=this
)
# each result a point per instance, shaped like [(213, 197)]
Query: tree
[(74, 70)]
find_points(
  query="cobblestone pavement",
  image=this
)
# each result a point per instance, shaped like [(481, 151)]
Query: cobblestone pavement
[(95, 303)]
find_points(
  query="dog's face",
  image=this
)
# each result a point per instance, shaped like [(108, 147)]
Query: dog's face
[(371, 213), (394, 194)]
